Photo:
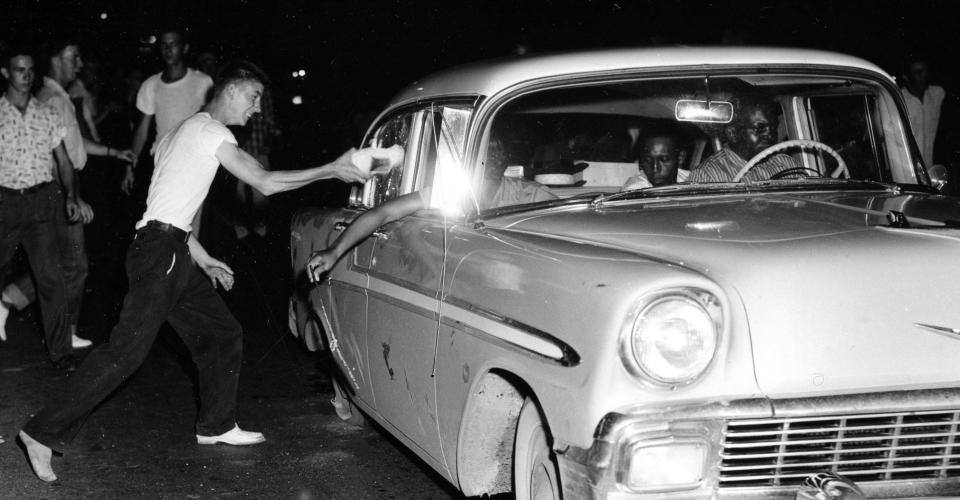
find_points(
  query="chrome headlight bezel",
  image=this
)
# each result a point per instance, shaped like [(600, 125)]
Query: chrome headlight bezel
[(698, 300)]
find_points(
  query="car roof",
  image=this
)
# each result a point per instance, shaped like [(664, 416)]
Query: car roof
[(486, 78)]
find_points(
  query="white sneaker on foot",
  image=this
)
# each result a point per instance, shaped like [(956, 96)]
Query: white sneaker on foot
[(4, 313), (235, 436), (79, 343)]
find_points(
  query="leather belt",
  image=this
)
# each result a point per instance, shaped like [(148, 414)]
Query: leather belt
[(170, 229), (29, 190)]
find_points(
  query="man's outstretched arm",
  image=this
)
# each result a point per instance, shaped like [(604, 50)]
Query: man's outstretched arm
[(241, 164)]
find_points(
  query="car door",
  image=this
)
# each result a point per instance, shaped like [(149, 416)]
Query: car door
[(405, 280), (346, 297)]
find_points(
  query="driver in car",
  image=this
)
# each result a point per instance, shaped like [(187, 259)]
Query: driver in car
[(753, 130)]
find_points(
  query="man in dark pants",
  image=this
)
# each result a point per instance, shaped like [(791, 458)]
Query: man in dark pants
[(31, 136), (164, 285)]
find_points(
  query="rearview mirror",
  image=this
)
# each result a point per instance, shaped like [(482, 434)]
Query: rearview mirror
[(688, 110)]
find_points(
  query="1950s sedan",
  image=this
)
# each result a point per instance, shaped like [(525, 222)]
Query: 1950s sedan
[(560, 320)]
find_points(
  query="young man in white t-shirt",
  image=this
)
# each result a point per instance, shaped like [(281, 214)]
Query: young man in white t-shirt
[(165, 285), (168, 97)]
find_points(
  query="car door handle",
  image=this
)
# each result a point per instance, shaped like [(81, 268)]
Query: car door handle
[(380, 235)]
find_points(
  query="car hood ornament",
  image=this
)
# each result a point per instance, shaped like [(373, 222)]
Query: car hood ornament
[(829, 486)]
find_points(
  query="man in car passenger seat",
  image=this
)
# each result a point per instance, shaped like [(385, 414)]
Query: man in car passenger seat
[(499, 190), (753, 129), (660, 157), (164, 284)]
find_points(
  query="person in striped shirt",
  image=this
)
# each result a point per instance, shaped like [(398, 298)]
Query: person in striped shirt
[(753, 129)]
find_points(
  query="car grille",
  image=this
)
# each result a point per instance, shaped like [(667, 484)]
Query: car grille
[(865, 448)]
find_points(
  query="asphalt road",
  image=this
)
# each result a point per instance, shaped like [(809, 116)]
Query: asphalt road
[(140, 442)]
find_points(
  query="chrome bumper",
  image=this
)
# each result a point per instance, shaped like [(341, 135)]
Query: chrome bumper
[(593, 472)]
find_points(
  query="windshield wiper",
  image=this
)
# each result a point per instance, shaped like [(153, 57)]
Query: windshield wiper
[(721, 187), (648, 192)]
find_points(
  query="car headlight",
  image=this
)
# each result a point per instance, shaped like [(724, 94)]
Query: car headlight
[(674, 337)]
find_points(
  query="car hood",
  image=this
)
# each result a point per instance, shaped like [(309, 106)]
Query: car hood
[(837, 300)]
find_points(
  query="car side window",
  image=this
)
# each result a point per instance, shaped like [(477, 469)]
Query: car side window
[(441, 166), (384, 185), (846, 123)]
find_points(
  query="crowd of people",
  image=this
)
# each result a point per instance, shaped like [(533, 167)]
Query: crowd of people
[(47, 132)]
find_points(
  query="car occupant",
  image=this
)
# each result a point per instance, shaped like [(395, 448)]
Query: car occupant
[(753, 129), (660, 157)]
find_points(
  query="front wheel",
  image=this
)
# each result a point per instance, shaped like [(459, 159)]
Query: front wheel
[(535, 475)]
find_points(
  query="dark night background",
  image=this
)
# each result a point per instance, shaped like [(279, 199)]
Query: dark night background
[(357, 54)]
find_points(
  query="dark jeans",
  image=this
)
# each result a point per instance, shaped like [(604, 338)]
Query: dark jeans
[(31, 220), (73, 264), (164, 286)]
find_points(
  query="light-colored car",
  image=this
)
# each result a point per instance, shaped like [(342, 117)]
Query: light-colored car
[(719, 336)]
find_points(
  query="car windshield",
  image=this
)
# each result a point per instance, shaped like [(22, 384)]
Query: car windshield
[(760, 129)]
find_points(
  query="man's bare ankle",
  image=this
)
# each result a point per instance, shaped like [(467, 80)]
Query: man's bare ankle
[(39, 456)]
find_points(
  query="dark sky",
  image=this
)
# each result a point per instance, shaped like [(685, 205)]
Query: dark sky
[(356, 54)]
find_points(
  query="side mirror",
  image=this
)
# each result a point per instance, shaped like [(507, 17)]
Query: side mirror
[(938, 176)]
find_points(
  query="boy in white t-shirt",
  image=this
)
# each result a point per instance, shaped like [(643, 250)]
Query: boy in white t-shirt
[(168, 97), (165, 285)]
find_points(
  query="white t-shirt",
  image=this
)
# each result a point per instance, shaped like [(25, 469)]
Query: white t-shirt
[(186, 163), (640, 180), (53, 94), (924, 118), (171, 103)]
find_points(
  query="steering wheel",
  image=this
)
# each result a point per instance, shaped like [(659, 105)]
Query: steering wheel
[(802, 143), (806, 172)]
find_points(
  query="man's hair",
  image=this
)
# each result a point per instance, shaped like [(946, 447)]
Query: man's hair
[(666, 129), (238, 71), (912, 58), (53, 46), (12, 50), (181, 31), (660, 128), (50, 48), (755, 100)]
